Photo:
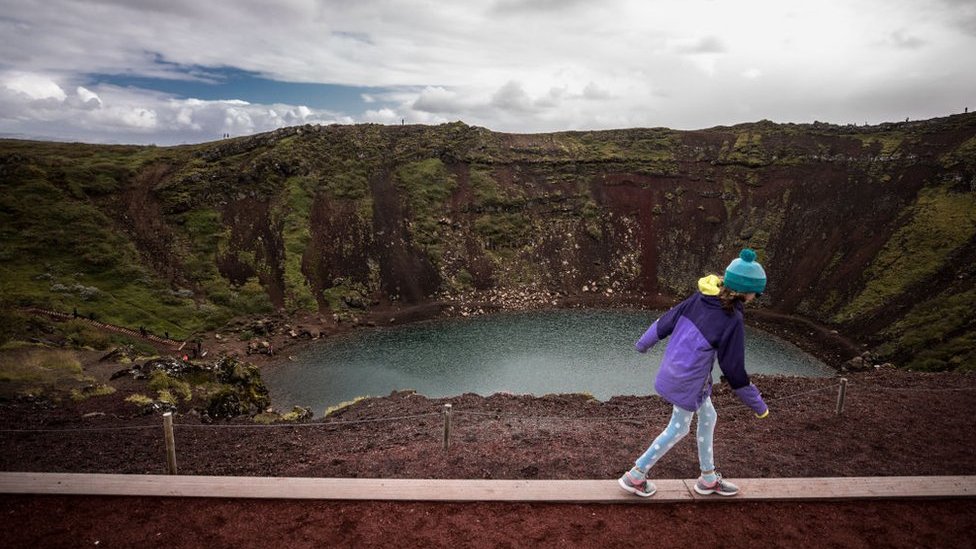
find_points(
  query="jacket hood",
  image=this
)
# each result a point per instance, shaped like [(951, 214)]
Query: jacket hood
[(710, 285)]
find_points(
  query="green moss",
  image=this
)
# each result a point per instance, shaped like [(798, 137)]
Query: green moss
[(43, 366), (139, 400), (296, 233), (161, 381), (82, 334), (427, 185), (937, 224), (885, 143), (266, 418), (963, 157), (345, 296), (342, 405), (747, 150), (503, 230), (57, 234), (489, 194), (39, 371), (348, 181), (924, 334), (206, 235), (91, 391)]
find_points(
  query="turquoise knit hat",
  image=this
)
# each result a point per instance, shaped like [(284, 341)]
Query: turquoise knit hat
[(745, 275)]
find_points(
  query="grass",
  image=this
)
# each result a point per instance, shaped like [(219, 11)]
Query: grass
[(161, 381), (342, 405), (427, 185), (922, 334), (38, 371), (91, 391), (294, 219), (937, 224)]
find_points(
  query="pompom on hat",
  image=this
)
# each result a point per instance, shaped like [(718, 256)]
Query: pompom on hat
[(745, 275)]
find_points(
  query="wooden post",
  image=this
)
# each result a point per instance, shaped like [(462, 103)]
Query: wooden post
[(447, 426), (841, 393), (170, 443)]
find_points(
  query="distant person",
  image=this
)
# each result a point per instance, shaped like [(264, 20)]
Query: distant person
[(706, 326)]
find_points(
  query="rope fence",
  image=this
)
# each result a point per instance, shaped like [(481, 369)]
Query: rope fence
[(447, 413)]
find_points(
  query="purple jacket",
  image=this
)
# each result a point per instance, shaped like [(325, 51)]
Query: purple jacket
[(701, 331)]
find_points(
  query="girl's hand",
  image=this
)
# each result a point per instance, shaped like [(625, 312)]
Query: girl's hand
[(764, 414)]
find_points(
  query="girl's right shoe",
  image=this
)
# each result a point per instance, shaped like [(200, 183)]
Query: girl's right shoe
[(641, 487)]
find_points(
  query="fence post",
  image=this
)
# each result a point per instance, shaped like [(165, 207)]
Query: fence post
[(170, 443), (841, 393), (447, 426)]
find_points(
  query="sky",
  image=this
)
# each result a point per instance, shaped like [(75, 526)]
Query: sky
[(189, 71)]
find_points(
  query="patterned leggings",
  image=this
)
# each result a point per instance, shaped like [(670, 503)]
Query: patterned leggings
[(676, 430)]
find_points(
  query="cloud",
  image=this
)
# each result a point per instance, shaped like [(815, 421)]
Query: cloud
[(35, 87), (86, 99), (515, 7), (704, 45), (510, 65), (32, 105), (436, 99), (901, 39), (594, 92), (512, 97)]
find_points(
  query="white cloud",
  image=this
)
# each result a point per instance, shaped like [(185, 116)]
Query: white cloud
[(595, 92), (35, 87), (705, 44), (88, 98), (435, 99), (511, 97), (510, 65), (125, 115)]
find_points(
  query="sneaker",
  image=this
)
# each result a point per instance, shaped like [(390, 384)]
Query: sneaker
[(642, 487), (721, 487)]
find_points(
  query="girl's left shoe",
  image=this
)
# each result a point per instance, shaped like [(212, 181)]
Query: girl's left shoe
[(721, 487), (641, 487)]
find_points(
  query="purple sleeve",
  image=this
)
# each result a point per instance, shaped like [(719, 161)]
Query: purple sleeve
[(661, 328), (731, 359), (749, 395), (648, 340)]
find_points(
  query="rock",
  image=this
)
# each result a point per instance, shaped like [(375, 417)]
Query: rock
[(123, 354), (857, 364), (94, 414), (298, 413)]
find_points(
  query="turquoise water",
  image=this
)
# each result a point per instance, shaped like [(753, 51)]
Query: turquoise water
[(567, 351)]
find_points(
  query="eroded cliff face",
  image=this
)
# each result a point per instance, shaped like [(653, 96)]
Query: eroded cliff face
[(868, 228)]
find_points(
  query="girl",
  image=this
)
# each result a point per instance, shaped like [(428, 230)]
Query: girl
[(706, 326)]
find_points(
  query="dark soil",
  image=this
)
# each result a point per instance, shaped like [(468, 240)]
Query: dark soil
[(894, 423), (57, 521)]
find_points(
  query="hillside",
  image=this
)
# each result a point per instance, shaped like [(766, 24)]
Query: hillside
[(866, 230)]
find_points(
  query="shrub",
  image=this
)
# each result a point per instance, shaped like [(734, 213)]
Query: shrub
[(162, 382)]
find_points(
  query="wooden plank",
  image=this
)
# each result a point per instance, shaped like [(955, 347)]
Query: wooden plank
[(578, 491), (840, 488), (336, 488)]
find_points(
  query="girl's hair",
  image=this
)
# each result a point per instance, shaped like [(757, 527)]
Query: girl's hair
[(729, 298)]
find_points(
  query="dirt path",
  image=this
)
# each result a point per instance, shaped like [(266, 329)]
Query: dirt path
[(61, 521)]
